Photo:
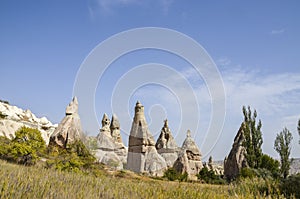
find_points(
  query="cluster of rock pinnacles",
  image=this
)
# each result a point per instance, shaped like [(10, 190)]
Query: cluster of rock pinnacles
[(143, 154)]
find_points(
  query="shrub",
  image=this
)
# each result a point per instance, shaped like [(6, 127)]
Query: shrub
[(247, 173), (26, 148), (76, 157), (270, 164), (209, 176), (172, 175), (290, 186), (4, 145)]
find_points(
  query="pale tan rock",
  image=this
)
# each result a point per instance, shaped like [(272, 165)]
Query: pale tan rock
[(189, 159), (69, 129), (115, 129), (110, 151), (236, 159), (15, 118), (166, 145), (142, 155)]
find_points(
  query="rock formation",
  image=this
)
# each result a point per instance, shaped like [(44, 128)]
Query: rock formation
[(166, 145), (69, 129), (115, 129), (189, 158), (110, 151), (12, 118), (142, 154), (216, 167), (236, 159)]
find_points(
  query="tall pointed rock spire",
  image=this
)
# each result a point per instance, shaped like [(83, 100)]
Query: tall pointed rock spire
[(142, 154)]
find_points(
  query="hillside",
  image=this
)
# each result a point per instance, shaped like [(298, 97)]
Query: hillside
[(13, 117), (36, 182)]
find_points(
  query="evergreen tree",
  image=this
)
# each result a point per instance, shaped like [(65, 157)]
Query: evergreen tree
[(253, 138), (282, 146)]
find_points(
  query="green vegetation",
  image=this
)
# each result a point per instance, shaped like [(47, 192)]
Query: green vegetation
[(26, 148), (76, 157), (253, 138), (38, 182), (290, 186), (172, 175), (282, 146), (71, 172), (209, 176), (270, 164)]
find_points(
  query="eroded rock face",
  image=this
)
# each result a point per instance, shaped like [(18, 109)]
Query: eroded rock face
[(142, 154), (189, 158), (110, 151), (13, 118), (115, 129), (166, 145), (69, 129), (236, 159)]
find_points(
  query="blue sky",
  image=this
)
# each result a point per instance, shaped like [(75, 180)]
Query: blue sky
[(255, 45)]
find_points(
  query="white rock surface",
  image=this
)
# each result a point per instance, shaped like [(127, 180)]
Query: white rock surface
[(17, 117)]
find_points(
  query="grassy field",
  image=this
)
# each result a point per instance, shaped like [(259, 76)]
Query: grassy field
[(37, 182)]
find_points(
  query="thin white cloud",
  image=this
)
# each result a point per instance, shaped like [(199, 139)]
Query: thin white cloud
[(277, 32), (223, 61), (109, 6)]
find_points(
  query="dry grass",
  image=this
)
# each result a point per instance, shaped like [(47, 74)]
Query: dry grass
[(37, 182)]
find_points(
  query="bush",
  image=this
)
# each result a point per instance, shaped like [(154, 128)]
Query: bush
[(172, 175), (76, 157), (209, 176), (270, 164), (26, 148), (4, 145), (290, 186), (247, 173)]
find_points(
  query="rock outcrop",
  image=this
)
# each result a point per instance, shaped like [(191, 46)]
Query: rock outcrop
[(166, 145), (69, 129), (115, 129), (236, 159), (142, 154), (189, 158), (216, 167), (110, 150), (13, 118)]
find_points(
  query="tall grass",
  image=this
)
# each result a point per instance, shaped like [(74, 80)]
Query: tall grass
[(18, 181)]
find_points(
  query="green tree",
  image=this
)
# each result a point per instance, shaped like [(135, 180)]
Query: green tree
[(282, 146), (270, 164), (26, 148), (253, 138)]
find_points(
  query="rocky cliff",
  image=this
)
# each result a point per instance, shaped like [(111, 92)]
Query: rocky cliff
[(12, 118)]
